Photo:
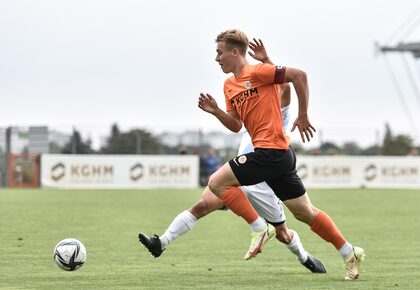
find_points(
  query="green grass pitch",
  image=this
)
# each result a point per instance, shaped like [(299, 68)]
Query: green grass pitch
[(385, 223)]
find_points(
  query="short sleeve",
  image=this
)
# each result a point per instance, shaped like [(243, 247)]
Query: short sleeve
[(229, 106), (270, 74)]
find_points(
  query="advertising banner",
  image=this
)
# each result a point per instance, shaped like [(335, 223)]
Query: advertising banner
[(119, 171), (182, 171), (359, 172)]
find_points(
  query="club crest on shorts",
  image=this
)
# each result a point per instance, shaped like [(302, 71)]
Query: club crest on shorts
[(242, 159), (247, 85)]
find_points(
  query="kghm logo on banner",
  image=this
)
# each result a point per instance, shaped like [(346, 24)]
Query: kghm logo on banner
[(136, 172), (371, 172), (58, 171)]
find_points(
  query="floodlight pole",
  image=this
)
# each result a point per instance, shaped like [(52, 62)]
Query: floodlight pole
[(413, 47)]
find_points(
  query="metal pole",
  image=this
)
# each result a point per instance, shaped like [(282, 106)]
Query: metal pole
[(138, 142), (321, 141), (73, 143), (378, 142), (6, 156)]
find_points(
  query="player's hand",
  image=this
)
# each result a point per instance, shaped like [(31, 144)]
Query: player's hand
[(207, 103), (305, 127), (258, 51)]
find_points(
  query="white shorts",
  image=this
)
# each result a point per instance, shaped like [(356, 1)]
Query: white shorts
[(261, 196), (265, 202)]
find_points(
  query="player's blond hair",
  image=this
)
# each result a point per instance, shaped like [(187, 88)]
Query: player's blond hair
[(235, 38)]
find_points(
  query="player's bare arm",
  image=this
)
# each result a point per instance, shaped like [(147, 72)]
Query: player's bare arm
[(300, 83), (229, 119)]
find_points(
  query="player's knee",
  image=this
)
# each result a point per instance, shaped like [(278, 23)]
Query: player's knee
[(200, 209)]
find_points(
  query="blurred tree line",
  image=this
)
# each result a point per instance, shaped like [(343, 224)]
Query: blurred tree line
[(139, 141), (135, 141)]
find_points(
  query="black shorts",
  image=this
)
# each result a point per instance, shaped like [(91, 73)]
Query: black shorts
[(276, 167)]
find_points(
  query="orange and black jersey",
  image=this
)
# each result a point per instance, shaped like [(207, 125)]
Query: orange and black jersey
[(255, 96)]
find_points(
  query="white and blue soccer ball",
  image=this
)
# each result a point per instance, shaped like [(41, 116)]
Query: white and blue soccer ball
[(70, 254)]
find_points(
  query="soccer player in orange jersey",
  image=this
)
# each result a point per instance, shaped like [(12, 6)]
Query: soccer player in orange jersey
[(260, 195), (252, 100)]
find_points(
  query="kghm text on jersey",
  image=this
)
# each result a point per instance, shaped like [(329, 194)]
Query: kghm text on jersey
[(242, 97)]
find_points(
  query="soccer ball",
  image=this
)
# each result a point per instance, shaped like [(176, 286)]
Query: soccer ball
[(70, 254)]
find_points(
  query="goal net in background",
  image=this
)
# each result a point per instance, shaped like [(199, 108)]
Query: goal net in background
[(23, 170), (20, 149)]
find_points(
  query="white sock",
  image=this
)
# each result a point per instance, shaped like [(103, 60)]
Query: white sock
[(258, 225), (346, 250), (295, 246), (181, 224)]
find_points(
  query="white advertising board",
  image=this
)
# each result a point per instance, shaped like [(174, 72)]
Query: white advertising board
[(119, 171), (181, 171), (355, 171)]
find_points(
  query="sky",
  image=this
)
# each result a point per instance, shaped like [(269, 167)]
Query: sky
[(88, 64)]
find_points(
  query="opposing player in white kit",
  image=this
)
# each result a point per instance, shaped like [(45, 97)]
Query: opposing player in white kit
[(260, 195)]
